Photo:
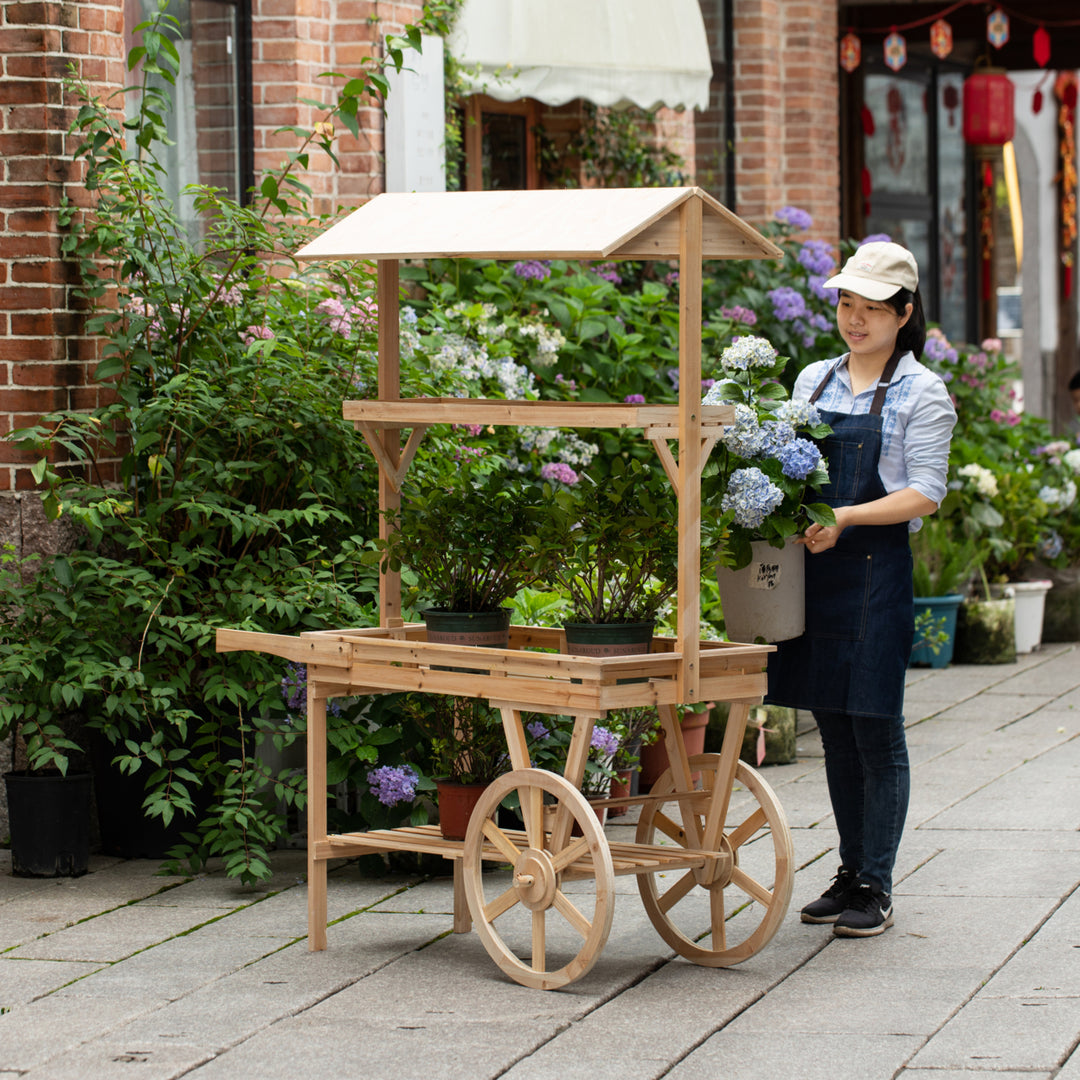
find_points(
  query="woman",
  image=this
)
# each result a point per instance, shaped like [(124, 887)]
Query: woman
[(892, 420)]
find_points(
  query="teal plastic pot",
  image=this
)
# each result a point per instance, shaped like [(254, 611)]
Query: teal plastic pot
[(922, 654)]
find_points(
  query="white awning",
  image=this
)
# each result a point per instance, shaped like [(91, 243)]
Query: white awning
[(610, 52)]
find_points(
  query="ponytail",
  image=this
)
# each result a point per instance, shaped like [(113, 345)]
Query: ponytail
[(912, 335)]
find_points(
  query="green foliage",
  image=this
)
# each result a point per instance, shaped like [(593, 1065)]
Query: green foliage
[(464, 537), (610, 543), (945, 557), (244, 499)]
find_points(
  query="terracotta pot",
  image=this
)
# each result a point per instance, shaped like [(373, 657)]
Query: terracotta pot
[(456, 804), (620, 789), (654, 759)]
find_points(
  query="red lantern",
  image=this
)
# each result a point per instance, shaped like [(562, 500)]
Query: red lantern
[(989, 116)]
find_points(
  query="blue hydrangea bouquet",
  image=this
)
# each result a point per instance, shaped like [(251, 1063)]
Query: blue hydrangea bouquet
[(767, 465)]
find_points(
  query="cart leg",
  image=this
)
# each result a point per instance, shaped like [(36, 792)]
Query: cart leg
[(462, 918), (316, 829)]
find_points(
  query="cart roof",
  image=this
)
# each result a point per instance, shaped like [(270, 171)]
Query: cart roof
[(594, 223)]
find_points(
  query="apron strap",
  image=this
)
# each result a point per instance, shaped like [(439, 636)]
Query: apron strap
[(882, 386)]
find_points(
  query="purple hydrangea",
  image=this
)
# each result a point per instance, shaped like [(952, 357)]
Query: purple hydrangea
[(799, 458), (738, 313), (391, 784), (788, 304), (671, 278), (634, 399), (537, 730), (792, 215), (817, 257), (816, 284), (875, 238), (607, 742), (533, 270), (294, 687), (558, 472), (608, 272)]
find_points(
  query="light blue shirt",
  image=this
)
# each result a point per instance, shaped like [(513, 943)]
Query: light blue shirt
[(917, 420)]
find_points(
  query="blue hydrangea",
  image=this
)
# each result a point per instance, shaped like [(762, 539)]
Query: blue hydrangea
[(775, 435), (1051, 545), (788, 304), (744, 437), (391, 784), (753, 497), (816, 283), (799, 458), (748, 352)]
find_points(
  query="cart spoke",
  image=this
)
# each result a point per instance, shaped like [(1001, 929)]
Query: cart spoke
[(501, 841), (716, 916), (571, 913), (570, 854), (501, 904), (751, 887), (532, 809), (539, 943), (677, 891), (669, 827), (737, 837)]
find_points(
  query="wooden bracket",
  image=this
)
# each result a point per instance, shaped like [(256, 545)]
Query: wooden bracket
[(393, 473), (659, 438)]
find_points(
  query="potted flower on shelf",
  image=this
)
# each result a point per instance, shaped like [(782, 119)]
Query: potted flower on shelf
[(464, 540), (756, 490), (467, 748), (609, 543)]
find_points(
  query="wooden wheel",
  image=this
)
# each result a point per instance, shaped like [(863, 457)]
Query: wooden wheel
[(744, 895), (538, 918)]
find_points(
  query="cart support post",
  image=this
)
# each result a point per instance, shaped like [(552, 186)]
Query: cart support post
[(690, 450), (389, 390), (316, 807)]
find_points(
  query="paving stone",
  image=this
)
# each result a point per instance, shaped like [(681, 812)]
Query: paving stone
[(805, 1056), (992, 872), (21, 981), (1005, 1033)]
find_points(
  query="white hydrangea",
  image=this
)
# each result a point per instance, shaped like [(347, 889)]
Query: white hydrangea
[(1072, 459), (983, 479), (748, 352), (1059, 498)]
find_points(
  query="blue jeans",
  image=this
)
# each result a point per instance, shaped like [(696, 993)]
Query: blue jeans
[(866, 765)]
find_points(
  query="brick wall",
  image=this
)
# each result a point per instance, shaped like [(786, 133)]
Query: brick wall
[(44, 362), (787, 140)]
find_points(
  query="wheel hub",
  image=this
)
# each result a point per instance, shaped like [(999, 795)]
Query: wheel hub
[(718, 871), (535, 879)]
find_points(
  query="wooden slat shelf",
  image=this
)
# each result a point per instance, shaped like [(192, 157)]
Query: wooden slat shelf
[(626, 858)]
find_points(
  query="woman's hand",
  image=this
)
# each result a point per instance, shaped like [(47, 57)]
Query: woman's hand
[(818, 538)]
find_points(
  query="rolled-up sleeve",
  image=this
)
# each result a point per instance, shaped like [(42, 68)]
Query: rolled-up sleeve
[(927, 434)]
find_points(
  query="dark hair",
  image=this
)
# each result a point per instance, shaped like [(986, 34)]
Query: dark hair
[(912, 335), (1074, 382)]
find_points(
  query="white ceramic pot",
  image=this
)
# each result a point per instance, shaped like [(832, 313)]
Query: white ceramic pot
[(766, 599), (1030, 597)]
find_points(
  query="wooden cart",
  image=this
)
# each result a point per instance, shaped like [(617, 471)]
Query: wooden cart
[(711, 828)]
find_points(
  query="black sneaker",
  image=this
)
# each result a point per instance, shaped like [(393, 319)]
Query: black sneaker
[(869, 912), (833, 900)]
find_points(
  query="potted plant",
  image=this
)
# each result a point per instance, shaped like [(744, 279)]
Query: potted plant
[(42, 647), (755, 493), (608, 542), (467, 748), (463, 537), (945, 560)]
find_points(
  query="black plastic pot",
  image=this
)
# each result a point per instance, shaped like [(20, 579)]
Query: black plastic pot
[(49, 816)]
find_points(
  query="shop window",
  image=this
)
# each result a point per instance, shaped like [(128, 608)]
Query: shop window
[(210, 122), (500, 144), (916, 181)]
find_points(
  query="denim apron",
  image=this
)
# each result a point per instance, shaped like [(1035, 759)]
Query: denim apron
[(860, 616)]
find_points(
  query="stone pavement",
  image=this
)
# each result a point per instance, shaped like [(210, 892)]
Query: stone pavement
[(123, 973)]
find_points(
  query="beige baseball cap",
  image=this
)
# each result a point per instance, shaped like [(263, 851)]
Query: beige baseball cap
[(877, 270)]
